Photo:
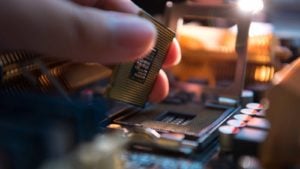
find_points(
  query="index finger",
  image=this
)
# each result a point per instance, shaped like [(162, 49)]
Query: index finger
[(174, 55)]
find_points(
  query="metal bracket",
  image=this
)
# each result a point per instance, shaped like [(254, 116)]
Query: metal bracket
[(177, 11)]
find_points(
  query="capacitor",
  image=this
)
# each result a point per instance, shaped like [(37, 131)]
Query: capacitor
[(250, 112), (242, 117), (255, 106), (236, 123), (247, 97), (227, 133)]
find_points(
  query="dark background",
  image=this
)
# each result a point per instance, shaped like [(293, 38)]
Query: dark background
[(153, 6)]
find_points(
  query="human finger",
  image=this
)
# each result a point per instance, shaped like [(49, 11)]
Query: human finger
[(174, 55), (126, 6), (160, 89), (64, 29)]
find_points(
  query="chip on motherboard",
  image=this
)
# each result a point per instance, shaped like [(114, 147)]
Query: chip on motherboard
[(133, 82)]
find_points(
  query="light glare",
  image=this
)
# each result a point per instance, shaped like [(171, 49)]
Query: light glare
[(251, 5)]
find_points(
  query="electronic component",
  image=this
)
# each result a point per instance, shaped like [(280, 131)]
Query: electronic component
[(191, 127), (245, 132), (180, 132), (24, 72), (132, 82), (247, 141), (227, 133)]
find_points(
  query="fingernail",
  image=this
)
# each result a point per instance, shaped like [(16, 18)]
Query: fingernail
[(134, 35)]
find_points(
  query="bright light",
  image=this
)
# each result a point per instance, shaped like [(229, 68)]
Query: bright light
[(251, 5), (264, 73)]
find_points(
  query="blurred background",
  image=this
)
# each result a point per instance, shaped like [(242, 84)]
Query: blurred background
[(37, 126), (208, 44)]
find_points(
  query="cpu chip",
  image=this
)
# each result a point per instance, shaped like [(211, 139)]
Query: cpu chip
[(133, 82)]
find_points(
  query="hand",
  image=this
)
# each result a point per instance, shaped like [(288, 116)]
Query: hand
[(103, 31)]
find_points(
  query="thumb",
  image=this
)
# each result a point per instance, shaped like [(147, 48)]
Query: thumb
[(110, 37), (64, 29)]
